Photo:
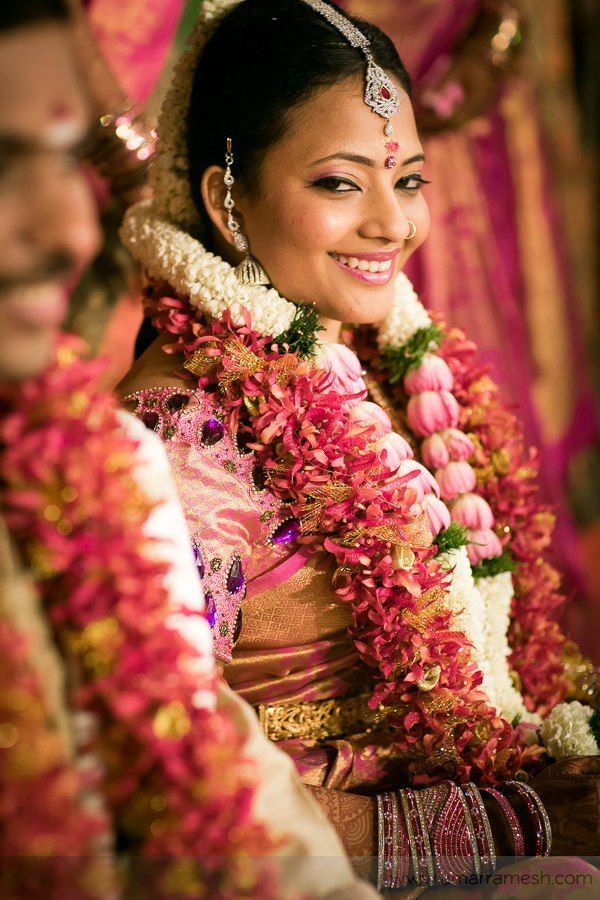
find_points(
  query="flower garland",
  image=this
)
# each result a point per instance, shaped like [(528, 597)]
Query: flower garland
[(174, 257), (572, 729), (62, 835), (447, 389), (174, 783), (169, 175), (323, 459), (506, 480)]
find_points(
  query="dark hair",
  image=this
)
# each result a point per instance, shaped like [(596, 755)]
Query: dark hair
[(265, 58), (18, 13)]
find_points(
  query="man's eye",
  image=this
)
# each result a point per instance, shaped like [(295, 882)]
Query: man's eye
[(336, 185)]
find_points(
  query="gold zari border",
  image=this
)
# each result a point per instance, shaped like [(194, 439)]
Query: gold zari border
[(317, 719)]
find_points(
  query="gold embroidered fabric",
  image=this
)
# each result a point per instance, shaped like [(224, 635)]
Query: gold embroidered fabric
[(317, 719), (299, 611)]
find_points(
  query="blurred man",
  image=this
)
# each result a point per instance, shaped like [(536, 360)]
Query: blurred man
[(48, 222), (48, 233)]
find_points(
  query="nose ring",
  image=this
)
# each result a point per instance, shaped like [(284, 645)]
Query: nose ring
[(412, 232)]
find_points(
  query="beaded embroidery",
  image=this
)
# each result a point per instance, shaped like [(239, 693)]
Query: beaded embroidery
[(189, 416)]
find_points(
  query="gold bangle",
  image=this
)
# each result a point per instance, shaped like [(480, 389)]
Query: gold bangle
[(411, 837), (380, 843)]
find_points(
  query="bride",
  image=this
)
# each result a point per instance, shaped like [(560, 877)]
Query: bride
[(359, 499)]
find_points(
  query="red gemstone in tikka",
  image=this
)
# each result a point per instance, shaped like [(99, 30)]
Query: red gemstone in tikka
[(385, 93)]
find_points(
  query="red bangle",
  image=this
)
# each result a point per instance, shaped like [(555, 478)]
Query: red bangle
[(511, 818), (483, 832), (539, 816)]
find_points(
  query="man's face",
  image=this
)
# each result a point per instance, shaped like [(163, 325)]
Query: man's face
[(48, 222)]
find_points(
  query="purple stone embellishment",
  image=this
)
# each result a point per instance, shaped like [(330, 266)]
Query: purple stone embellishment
[(235, 577), (211, 609), (212, 432), (238, 627), (286, 533), (177, 402), (199, 560), (150, 420)]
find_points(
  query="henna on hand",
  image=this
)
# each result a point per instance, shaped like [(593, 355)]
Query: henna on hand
[(354, 818)]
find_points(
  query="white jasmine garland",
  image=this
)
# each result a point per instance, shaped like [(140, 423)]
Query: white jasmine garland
[(566, 731), (406, 317), (497, 594), (170, 254), (468, 612), (169, 175)]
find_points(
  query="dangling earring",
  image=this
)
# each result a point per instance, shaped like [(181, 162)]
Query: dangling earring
[(249, 270)]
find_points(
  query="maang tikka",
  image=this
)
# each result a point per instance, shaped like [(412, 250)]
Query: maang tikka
[(380, 91), (249, 270)]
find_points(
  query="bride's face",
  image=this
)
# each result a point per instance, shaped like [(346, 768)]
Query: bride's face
[(329, 221)]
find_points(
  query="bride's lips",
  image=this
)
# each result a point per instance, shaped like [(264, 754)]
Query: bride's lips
[(375, 268)]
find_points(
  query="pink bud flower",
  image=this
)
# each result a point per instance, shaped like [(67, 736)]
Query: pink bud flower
[(437, 513), (473, 512), (432, 411), (460, 447), (434, 452), (424, 483), (393, 448), (455, 479), (484, 545), (433, 374), (366, 413), (345, 369)]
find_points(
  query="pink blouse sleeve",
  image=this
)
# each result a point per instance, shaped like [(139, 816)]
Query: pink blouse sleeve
[(230, 516)]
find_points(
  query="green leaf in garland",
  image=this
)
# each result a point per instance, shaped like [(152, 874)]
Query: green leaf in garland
[(301, 336), (453, 538), (399, 360), (595, 725), (487, 568)]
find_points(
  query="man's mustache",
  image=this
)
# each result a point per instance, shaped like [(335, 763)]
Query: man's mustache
[(60, 266)]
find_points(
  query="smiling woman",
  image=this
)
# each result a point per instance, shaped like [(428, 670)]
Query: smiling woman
[(288, 196)]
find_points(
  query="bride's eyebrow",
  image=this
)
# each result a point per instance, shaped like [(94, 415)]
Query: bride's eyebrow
[(365, 160)]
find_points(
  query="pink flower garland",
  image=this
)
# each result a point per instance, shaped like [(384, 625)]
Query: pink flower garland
[(175, 781), (433, 414), (323, 460), (46, 835), (507, 473)]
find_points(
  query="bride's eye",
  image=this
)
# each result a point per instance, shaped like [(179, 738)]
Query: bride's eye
[(335, 185), (411, 182)]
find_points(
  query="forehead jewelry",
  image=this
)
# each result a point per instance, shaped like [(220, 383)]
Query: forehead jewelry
[(380, 92)]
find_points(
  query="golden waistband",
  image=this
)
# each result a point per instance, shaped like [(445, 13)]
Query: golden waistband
[(317, 719)]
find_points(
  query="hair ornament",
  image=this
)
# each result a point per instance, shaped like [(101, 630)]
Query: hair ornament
[(380, 91)]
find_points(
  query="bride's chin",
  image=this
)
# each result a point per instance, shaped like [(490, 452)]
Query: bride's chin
[(374, 309)]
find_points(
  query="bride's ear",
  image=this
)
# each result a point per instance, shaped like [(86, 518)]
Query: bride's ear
[(213, 190)]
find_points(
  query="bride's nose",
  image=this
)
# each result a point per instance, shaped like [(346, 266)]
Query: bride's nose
[(384, 219)]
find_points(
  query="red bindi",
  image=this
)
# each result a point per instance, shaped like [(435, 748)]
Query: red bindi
[(61, 111)]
